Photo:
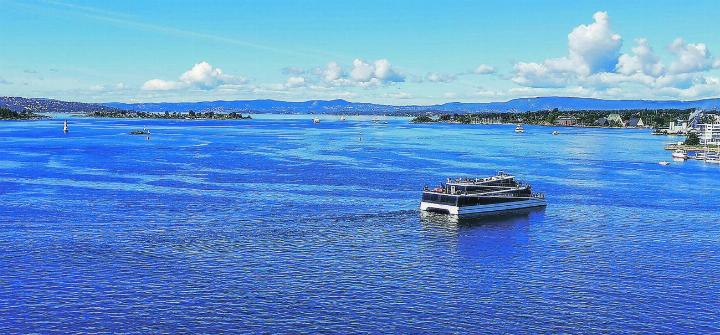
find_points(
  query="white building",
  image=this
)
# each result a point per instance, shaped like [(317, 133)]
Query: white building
[(678, 127), (709, 133)]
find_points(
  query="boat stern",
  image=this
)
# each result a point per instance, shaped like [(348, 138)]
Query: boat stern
[(439, 208)]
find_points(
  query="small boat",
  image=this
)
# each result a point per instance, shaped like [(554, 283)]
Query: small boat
[(664, 163), (680, 154), (519, 129), (556, 132), (65, 127), (376, 119), (316, 120), (342, 117), (144, 131)]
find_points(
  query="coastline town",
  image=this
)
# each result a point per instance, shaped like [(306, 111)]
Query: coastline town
[(701, 128)]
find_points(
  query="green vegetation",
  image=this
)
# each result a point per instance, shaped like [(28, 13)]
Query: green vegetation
[(655, 118), (167, 115), (692, 139), (6, 114), (422, 119)]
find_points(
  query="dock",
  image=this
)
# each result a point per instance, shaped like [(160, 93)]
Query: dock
[(691, 148)]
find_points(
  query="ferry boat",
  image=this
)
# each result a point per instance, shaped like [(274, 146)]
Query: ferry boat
[(519, 129), (473, 196)]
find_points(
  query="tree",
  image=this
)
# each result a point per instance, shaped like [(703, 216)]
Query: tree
[(692, 139)]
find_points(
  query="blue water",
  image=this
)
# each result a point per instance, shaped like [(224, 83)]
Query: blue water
[(276, 225)]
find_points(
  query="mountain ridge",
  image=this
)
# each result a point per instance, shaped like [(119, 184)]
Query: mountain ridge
[(344, 106)]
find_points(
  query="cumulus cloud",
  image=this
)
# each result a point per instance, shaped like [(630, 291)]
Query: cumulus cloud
[(295, 82), (361, 73), (595, 46), (594, 62), (690, 57), (332, 72), (592, 48), (643, 60), (484, 69), (202, 76)]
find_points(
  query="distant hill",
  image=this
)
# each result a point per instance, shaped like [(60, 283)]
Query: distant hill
[(342, 106), (40, 105)]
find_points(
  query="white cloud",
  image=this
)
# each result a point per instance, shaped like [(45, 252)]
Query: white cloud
[(385, 73), (202, 75), (484, 69), (642, 61), (690, 57), (161, 85), (592, 49), (362, 73), (332, 72), (295, 82), (595, 46), (595, 67)]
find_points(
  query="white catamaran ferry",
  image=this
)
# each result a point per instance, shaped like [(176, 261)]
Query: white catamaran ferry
[(465, 196)]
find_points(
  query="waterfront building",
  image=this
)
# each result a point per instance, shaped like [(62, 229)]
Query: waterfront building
[(615, 119), (636, 122), (708, 133), (678, 127), (566, 120)]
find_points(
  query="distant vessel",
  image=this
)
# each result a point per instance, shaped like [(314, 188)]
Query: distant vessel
[(316, 120), (680, 154), (556, 132), (480, 195), (664, 163), (519, 129), (144, 131), (711, 157), (342, 117), (375, 119), (65, 127)]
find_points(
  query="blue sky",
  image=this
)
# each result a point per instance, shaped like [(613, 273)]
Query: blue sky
[(399, 52)]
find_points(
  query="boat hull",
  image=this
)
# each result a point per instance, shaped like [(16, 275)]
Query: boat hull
[(482, 209)]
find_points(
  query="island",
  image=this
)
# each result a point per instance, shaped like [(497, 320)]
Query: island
[(7, 114), (188, 115)]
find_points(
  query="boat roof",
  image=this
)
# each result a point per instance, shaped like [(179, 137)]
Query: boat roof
[(479, 181)]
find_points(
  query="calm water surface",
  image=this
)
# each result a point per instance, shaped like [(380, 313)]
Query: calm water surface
[(278, 225)]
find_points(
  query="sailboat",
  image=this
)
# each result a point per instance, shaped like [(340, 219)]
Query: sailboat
[(65, 127)]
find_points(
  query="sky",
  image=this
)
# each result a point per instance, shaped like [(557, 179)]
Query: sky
[(395, 52)]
